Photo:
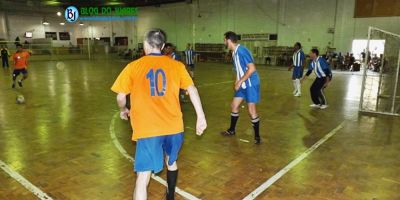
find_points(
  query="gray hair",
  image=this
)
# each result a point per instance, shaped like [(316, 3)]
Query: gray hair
[(156, 38)]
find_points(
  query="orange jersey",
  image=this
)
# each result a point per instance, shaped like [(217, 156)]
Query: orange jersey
[(21, 60), (153, 82)]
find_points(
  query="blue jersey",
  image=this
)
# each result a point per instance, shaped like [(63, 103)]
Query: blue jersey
[(189, 53), (298, 58), (241, 58), (321, 68)]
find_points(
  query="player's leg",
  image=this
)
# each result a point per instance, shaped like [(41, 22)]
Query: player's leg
[(7, 64), (294, 81), (255, 121), (314, 90), (25, 76), (172, 146), (252, 98), (298, 75), (321, 95), (148, 158), (142, 181), (15, 74), (237, 100)]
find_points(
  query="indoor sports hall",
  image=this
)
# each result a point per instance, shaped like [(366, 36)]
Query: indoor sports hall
[(323, 124)]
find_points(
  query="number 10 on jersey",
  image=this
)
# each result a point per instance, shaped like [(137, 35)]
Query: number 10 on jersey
[(153, 76)]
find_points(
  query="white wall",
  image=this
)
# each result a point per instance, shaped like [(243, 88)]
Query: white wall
[(207, 22), (306, 21), (19, 24)]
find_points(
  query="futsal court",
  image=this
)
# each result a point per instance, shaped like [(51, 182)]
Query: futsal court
[(62, 138)]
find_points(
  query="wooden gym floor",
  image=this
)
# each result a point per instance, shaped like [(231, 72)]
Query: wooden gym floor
[(61, 139)]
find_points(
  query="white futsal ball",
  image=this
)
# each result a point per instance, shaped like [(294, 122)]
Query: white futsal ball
[(60, 66), (20, 99)]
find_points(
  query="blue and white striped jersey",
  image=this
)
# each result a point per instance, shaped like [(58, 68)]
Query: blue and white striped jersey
[(241, 58), (321, 67), (189, 54), (298, 58)]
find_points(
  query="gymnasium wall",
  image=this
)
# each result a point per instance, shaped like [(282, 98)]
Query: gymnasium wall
[(349, 28), (306, 21), (21, 23)]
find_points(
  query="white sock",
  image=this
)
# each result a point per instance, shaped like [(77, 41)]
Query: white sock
[(295, 86), (298, 84)]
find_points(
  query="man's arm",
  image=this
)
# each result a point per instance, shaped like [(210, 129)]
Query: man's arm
[(290, 67), (201, 124), (121, 101), (251, 68), (307, 74)]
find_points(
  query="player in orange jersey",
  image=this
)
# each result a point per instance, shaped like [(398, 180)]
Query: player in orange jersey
[(153, 82), (20, 65)]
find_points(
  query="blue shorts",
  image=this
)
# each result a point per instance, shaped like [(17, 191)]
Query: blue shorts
[(250, 94), (297, 73), (149, 154), (16, 72)]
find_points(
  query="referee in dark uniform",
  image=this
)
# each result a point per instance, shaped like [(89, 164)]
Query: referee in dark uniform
[(4, 57), (323, 74)]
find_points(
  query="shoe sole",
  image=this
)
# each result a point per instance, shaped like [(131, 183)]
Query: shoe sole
[(227, 134)]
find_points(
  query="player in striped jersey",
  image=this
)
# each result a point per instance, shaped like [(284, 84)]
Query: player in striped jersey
[(169, 50), (247, 85), (323, 75), (298, 62), (190, 57)]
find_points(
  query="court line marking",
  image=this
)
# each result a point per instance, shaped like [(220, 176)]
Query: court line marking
[(24, 182), (130, 158), (291, 165)]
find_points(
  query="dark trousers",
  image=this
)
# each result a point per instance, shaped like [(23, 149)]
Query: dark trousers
[(5, 61), (317, 93)]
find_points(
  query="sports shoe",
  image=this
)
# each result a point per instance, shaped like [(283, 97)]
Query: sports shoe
[(20, 83), (315, 106), (323, 107), (257, 140), (228, 133), (298, 94)]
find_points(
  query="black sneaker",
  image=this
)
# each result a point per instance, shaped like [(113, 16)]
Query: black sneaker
[(257, 140), (20, 83), (228, 133)]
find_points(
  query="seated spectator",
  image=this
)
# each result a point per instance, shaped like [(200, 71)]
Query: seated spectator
[(351, 63)]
